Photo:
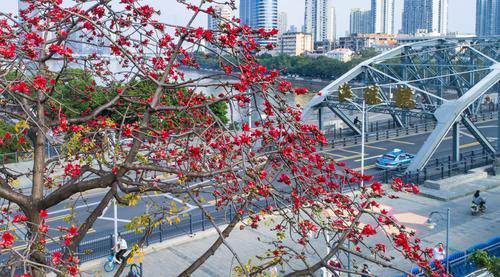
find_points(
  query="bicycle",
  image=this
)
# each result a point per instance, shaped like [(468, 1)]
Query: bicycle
[(110, 265)]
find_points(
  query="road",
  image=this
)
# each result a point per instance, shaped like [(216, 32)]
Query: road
[(351, 154)]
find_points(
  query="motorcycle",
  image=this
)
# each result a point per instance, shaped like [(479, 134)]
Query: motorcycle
[(477, 209)]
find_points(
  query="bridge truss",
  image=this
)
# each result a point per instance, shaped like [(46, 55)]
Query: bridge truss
[(449, 77)]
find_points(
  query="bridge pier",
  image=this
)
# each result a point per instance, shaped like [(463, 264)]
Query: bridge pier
[(456, 141), (320, 118)]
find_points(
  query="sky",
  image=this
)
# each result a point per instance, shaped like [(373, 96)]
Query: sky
[(461, 13)]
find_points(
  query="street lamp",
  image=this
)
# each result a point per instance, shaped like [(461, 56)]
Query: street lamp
[(431, 224), (364, 111)]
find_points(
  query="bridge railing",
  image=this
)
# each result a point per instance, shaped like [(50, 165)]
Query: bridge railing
[(460, 262), (339, 138), (440, 168)]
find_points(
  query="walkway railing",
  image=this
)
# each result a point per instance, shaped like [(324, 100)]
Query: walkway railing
[(460, 262)]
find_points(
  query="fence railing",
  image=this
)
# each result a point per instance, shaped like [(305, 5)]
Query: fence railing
[(460, 262), (16, 157), (102, 247), (441, 168), (344, 137)]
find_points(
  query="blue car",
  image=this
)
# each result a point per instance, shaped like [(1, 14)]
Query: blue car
[(397, 159)]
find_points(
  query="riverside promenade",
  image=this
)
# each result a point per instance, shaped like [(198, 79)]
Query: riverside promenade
[(172, 257)]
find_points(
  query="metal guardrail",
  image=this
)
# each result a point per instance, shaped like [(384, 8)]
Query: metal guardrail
[(440, 168), (89, 250), (94, 249), (460, 264), (341, 138)]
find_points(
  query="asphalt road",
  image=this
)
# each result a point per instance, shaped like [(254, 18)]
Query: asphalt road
[(351, 155)]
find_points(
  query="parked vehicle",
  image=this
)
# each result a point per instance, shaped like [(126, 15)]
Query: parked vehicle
[(395, 160)]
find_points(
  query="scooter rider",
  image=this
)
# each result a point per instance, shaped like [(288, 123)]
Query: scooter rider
[(478, 200)]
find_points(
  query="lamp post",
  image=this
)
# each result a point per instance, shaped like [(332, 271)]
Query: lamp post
[(432, 224), (326, 271), (364, 111), (115, 220)]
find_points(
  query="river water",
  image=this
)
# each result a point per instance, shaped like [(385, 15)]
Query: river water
[(292, 99)]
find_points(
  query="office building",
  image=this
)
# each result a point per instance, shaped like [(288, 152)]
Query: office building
[(382, 16), (293, 29), (359, 21), (319, 20), (295, 44), (260, 14), (487, 17), (221, 13), (282, 23), (425, 16)]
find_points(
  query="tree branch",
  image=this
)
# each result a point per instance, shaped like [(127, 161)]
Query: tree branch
[(65, 192)]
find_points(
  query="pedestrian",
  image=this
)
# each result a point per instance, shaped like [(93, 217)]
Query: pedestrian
[(120, 249), (439, 252), (366, 272), (356, 120)]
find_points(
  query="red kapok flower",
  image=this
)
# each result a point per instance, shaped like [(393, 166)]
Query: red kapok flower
[(43, 213), (7, 240)]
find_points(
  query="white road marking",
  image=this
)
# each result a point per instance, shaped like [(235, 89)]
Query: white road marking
[(112, 219), (168, 195), (487, 126), (370, 158), (77, 207)]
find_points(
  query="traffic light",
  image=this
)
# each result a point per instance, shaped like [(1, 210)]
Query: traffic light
[(345, 92), (404, 98), (371, 95)]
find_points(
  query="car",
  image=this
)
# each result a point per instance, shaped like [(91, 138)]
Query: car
[(395, 160)]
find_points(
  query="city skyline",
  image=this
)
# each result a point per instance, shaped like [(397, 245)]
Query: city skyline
[(487, 17), (320, 20), (430, 16), (382, 14), (461, 13)]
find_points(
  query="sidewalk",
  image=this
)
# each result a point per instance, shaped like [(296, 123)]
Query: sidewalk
[(172, 257)]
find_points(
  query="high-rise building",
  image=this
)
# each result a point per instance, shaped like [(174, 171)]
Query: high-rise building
[(293, 29), (382, 13), (429, 16), (359, 22), (487, 17), (282, 23), (260, 14), (332, 25), (319, 20), (221, 12)]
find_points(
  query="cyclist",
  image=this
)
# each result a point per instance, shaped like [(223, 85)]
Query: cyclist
[(120, 249)]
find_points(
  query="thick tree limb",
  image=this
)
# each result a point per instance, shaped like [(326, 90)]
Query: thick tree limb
[(9, 194), (211, 251), (89, 222), (65, 192)]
